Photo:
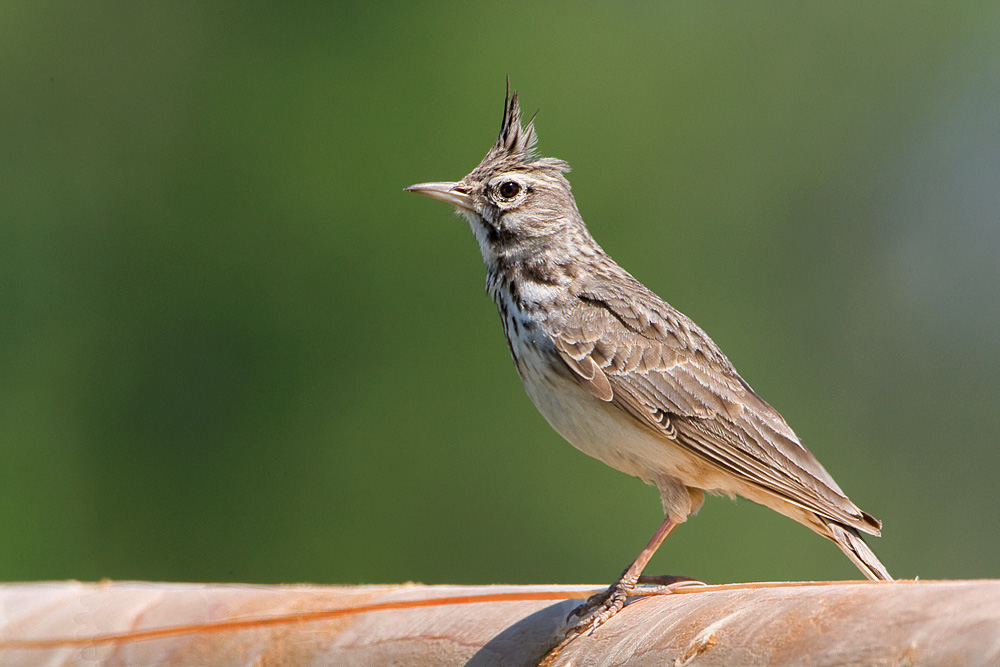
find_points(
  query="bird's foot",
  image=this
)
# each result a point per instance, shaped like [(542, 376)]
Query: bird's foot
[(600, 607), (653, 582)]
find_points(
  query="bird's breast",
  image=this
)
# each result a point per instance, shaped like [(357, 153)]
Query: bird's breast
[(597, 428)]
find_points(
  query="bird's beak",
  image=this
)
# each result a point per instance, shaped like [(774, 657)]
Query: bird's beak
[(453, 193)]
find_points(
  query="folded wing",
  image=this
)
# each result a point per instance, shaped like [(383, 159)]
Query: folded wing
[(655, 363)]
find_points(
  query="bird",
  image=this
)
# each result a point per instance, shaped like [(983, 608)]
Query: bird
[(623, 376)]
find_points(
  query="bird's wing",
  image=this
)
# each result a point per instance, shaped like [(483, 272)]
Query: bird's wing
[(630, 347)]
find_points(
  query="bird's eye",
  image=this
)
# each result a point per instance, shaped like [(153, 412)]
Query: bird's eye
[(509, 189)]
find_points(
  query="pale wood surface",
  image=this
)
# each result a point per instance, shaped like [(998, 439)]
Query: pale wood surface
[(150, 624)]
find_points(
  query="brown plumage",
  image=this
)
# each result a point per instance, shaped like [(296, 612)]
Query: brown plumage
[(621, 374)]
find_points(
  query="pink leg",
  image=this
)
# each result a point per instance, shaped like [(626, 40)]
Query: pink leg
[(603, 606), (631, 575)]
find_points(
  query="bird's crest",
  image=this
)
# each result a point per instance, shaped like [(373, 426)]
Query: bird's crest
[(515, 147), (515, 140)]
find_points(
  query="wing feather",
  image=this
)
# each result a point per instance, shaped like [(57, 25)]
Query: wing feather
[(656, 364)]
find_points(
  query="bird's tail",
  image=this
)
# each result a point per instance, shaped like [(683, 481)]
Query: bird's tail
[(850, 542)]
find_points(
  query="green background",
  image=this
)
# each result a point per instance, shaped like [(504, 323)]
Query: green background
[(233, 349)]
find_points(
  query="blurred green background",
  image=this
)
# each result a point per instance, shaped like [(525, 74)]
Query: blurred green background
[(233, 349)]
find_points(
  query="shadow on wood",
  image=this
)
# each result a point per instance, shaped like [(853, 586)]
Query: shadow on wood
[(132, 623)]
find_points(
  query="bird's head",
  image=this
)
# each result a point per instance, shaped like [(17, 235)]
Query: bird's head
[(515, 201)]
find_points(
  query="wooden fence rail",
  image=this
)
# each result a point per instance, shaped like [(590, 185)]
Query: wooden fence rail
[(829, 623)]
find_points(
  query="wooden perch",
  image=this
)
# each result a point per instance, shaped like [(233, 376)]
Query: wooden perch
[(129, 623)]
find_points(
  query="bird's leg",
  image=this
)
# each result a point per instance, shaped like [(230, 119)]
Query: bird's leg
[(599, 608)]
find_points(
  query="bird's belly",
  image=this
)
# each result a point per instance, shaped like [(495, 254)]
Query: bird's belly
[(604, 431)]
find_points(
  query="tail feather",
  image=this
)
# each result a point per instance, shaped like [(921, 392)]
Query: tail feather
[(850, 542)]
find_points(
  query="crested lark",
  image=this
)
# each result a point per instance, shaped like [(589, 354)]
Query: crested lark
[(622, 375)]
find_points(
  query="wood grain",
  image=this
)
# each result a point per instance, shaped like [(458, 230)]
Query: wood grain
[(828, 623)]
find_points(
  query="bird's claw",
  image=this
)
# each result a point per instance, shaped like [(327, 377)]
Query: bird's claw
[(602, 606), (599, 608)]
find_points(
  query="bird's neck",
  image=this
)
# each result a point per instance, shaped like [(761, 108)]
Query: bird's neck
[(538, 278)]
